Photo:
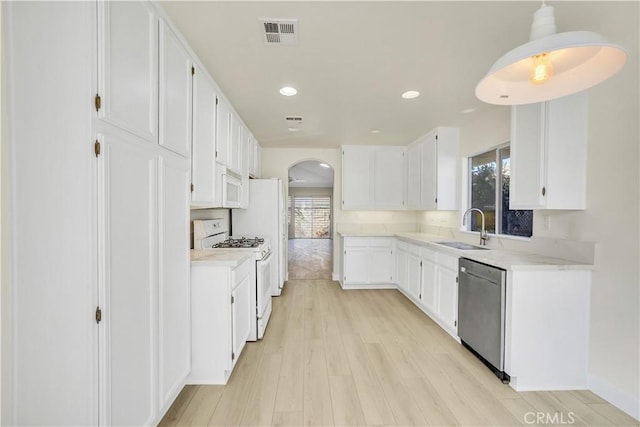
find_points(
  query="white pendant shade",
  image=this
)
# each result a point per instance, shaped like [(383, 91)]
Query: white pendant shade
[(579, 59)]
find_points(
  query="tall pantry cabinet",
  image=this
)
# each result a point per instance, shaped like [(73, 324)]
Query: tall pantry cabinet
[(99, 109)]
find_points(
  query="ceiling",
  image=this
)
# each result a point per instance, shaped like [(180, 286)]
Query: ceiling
[(311, 173), (354, 59)]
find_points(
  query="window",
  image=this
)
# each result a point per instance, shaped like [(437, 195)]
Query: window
[(489, 175), (312, 217)]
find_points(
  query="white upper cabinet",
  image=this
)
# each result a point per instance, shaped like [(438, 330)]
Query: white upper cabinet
[(357, 168), (128, 67), (549, 154), (238, 133), (414, 175), (439, 166), (223, 132), (205, 180), (389, 177), (373, 177), (176, 68)]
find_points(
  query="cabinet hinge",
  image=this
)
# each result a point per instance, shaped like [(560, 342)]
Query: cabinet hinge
[(216, 154), (420, 296), (233, 356), (420, 263), (98, 314), (193, 70), (436, 200), (456, 279), (98, 102), (455, 323), (232, 299), (216, 100), (192, 188), (436, 136), (96, 148)]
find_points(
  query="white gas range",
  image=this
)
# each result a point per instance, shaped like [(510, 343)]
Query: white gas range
[(213, 234)]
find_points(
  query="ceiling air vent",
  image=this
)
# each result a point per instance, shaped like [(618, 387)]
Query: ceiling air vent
[(280, 31), (293, 119)]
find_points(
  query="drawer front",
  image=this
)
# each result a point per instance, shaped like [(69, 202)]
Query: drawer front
[(381, 242), (413, 249), (241, 271), (430, 254), (356, 242), (402, 246), (447, 261)]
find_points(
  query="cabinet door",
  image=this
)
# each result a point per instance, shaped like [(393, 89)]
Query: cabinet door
[(206, 188), (414, 175), (240, 312), (355, 265), (526, 185), (413, 275), (174, 242), (447, 298), (357, 168), (447, 169), (237, 143), (389, 177), (428, 192), (380, 265), (223, 132), (128, 64), (402, 263), (128, 176), (175, 93), (428, 295)]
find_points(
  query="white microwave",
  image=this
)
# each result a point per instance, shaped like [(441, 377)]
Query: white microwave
[(231, 191)]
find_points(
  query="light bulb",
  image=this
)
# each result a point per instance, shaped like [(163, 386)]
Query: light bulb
[(542, 69)]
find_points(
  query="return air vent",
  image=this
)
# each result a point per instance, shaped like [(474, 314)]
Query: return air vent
[(280, 31), (293, 119)]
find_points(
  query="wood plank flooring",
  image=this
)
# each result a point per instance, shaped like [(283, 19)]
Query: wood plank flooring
[(310, 258), (350, 358)]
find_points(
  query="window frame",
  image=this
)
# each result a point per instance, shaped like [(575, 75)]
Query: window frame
[(498, 193)]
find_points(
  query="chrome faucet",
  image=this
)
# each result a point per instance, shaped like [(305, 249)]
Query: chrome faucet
[(483, 231)]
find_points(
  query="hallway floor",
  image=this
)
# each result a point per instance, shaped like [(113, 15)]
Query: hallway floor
[(310, 259)]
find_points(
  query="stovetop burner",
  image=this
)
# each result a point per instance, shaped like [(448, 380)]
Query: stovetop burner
[(241, 242)]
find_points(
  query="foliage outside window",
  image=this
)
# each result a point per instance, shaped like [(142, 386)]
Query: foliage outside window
[(489, 175)]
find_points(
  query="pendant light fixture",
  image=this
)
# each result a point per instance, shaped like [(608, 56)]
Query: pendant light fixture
[(551, 65)]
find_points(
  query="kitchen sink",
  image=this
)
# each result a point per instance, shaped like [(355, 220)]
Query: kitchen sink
[(460, 245)]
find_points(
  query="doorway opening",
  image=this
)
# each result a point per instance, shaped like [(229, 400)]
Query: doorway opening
[(310, 220)]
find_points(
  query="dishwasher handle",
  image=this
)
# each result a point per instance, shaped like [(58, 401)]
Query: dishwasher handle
[(463, 270)]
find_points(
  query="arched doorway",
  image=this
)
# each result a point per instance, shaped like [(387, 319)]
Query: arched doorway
[(310, 220)]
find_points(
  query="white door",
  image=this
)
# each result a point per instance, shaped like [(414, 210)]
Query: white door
[(128, 174), (357, 171), (428, 294), (240, 315), (175, 93), (447, 297), (128, 67), (174, 290), (206, 186), (52, 200), (223, 132), (414, 176), (356, 265), (389, 177), (413, 275), (429, 173)]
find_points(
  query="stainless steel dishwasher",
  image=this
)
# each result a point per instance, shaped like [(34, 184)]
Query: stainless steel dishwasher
[(481, 312)]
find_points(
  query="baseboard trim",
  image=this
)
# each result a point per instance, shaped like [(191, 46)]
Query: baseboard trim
[(622, 400), (369, 286)]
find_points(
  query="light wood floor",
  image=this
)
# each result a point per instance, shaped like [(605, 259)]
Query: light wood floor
[(333, 357), (310, 258)]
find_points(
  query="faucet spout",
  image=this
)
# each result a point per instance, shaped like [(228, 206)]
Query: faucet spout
[(483, 232)]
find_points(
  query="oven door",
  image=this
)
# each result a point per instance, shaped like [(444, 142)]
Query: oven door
[(263, 291), (231, 191)]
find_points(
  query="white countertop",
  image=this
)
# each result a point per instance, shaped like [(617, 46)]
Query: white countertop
[(508, 260), (220, 257)]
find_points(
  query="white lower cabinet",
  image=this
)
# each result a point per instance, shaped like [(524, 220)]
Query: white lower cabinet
[(402, 262), (368, 262), (432, 284), (221, 316)]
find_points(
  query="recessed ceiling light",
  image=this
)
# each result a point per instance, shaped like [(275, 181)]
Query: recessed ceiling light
[(288, 91), (410, 94), (468, 110), (294, 129), (375, 131), (324, 165)]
